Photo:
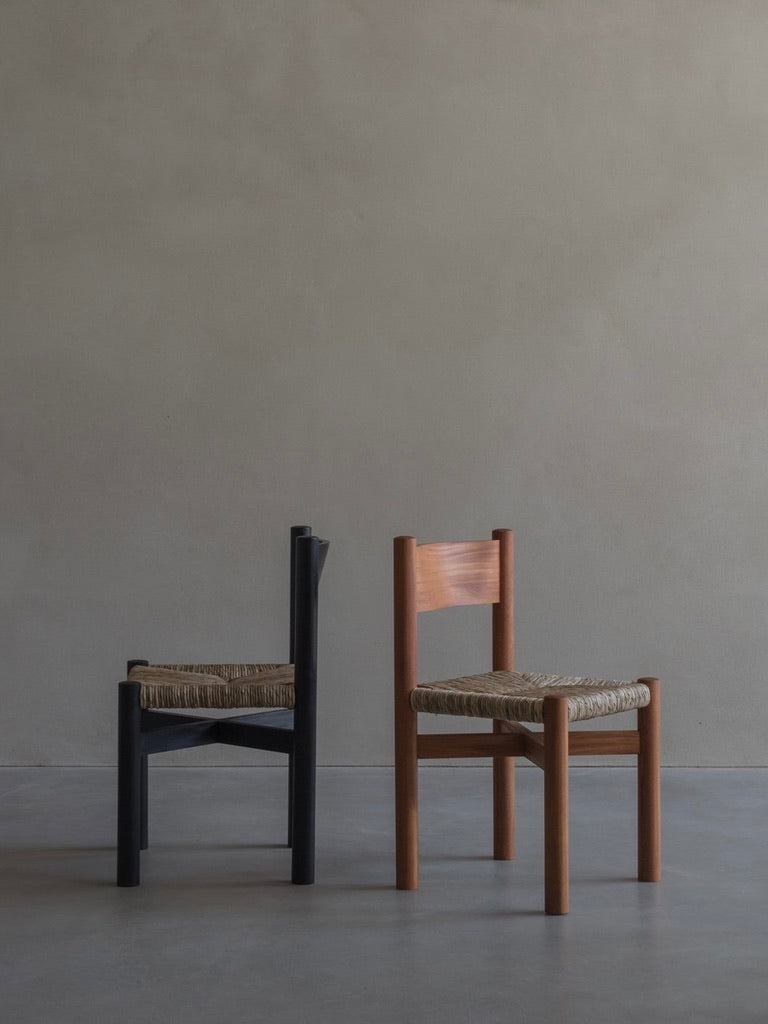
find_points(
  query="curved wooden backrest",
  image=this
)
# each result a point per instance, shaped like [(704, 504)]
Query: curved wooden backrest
[(459, 573)]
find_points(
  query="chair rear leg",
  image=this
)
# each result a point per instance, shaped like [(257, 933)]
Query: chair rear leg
[(649, 786), (556, 805), (406, 798), (303, 815), (129, 785), (503, 805)]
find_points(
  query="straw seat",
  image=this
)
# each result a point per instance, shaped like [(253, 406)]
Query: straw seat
[(519, 696), (215, 686)]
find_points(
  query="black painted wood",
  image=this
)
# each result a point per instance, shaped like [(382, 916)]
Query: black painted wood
[(145, 732), (296, 532), (128, 784), (144, 829), (282, 718), (180, 737), (151, 719), (250, 734), (310, 556)]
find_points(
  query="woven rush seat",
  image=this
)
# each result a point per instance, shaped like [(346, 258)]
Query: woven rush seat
[(519, 696), (215, 686)]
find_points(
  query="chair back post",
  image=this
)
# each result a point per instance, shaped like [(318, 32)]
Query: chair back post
[(406, 672), (504, 661), (296, 532), (310, 557), (406, 621), (504, 609)]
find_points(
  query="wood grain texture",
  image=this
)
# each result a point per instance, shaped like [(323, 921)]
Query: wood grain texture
[(454, 574), (471, 744), (503, 805), (592, 741), (406, 677), (504, 608), (504, 660), (534, 741)]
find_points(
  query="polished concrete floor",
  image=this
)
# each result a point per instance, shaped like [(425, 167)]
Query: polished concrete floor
[(216, 934)]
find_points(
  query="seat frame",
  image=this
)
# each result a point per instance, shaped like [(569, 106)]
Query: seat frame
[(142, 731), (432, 576)]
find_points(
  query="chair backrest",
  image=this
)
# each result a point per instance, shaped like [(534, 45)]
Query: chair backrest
[(446, 575), (461, 573)]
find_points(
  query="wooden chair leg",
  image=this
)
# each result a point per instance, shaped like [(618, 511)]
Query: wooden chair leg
[(129, 785), (144, 843), (303, 808), (556, 805), (290, 800), (406, 798), (649, 786), (503, 805)]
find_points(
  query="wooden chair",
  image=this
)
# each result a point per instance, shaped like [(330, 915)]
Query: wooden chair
[(433, 576), (144, 729)]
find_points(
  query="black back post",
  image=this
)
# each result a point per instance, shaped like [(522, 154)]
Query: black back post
[(296, 532)]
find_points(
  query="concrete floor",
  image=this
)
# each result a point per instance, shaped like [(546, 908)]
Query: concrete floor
[(216, 933)]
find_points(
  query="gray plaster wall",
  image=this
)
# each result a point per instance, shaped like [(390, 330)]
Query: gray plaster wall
[(423, 266)]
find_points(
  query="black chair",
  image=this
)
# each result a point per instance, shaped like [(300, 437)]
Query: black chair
[(144, 729)]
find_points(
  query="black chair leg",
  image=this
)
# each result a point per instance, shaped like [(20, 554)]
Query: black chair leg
[(129, 785), (290, 800), (144, 801), (303, 853), (309, 564)]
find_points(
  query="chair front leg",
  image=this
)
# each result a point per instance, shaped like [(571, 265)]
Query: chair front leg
[(649, 786), (406, 796), (303, 813), (290, 800), (129, 785), (556, 805)]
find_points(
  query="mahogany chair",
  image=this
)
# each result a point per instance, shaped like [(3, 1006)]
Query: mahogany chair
[(144, 729), (433, 576)]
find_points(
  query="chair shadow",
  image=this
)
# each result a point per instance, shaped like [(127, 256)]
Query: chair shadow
[(54, 865), (457, 858)]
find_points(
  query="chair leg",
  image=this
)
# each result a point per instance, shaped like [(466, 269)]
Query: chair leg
[(649, 787), (303, 816), (556, 805), (129, 811), (503, 805), (290, 800), (406, 798), (144, 802)]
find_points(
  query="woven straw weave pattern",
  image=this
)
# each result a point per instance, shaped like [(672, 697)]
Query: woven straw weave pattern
[(215, 686), (519, 696)]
